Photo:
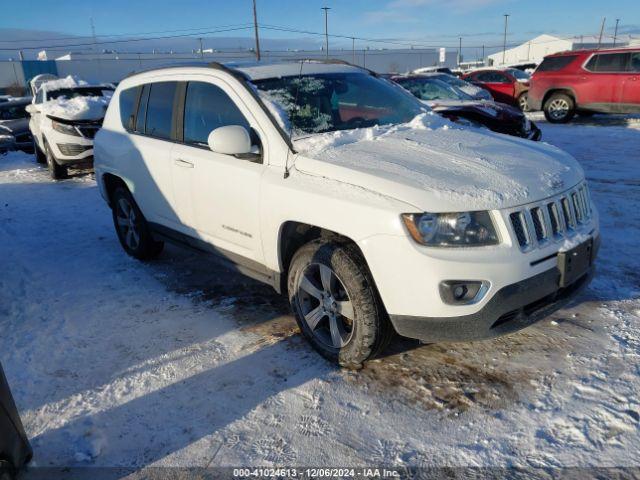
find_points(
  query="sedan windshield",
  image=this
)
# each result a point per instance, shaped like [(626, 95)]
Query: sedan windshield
[(328, 102), (429, 89)]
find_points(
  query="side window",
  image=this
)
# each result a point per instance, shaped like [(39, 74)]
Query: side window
[(128, 99), (160, 109), (142, 109), (492, 77), (39, 96), (634, 62), (608, 62), (206, 108)]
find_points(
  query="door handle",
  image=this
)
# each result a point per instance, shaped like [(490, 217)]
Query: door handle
[(183, 163)]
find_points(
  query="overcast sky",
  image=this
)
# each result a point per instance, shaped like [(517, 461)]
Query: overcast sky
[(426, 22)]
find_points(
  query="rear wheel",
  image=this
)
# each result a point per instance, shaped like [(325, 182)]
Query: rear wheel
[(336, 304), (56, 171), (132, 228), (559, 108), (523, 102)]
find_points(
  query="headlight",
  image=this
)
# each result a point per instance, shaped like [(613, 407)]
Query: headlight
[(64, 128), (463, 229)]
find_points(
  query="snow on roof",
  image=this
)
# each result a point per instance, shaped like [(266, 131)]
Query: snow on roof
[(70, 81)]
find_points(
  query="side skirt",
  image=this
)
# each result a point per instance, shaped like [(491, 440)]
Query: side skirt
[(222, 257)]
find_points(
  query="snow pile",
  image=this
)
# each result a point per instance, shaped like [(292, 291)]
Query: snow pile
[(431, 163), (78, 108), (70, 81)]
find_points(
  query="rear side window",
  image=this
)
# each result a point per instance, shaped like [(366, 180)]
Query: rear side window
[(127, 103), (553, 64), (206, 108), (491, 77), (160, 109), (608, 62), (634, 63)]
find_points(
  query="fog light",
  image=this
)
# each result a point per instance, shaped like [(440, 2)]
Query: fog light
[(463, 292)]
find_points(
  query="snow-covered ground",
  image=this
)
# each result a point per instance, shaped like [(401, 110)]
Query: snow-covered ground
[(178, 362)]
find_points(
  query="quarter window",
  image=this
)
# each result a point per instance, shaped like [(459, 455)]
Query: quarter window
[(634, 62), (160, 109), (608, 62), (553, 64), (206, 108)]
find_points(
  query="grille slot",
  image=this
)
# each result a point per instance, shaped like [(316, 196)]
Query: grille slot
[(553, 220), (89, 131), (517, 220)]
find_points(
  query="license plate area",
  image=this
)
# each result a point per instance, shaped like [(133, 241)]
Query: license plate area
[(574, 263)]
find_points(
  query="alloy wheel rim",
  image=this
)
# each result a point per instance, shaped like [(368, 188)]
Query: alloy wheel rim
[(524, 103), (127, 223), (325, 305), (558, 108)]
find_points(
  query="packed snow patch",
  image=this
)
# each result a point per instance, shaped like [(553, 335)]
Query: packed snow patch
[(78, 108)]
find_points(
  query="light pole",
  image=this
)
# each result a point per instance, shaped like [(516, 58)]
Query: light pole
[(353, 50), (326, 30), (615, 33), (255, 28), (504, 40), (460, 51)]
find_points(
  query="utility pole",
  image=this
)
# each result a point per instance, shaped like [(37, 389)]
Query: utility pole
[(353, 50), (201, 49), (326, 30), (483, 54), (601, 31), (93, 32), (255, 28), (504, 41), (460, 51), (615, 33)]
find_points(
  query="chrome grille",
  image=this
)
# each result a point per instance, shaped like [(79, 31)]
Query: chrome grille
[(551, 220)]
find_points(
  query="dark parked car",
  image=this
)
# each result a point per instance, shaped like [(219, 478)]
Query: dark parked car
[(456, 105), (15, 121), (15, 450), (587, 82), (509, 85)]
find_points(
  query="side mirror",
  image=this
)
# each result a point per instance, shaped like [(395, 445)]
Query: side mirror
[(230, 140), (31, 109)]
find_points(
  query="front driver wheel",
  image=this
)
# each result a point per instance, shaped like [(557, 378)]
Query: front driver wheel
[(56, 171), (132, 228), (559, 108), (336, 304)]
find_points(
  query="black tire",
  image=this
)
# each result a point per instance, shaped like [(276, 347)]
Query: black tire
[(56, 170), (523, 102), (559, 108), (368, 332), (130, 224), (40, 156), (7, 472)]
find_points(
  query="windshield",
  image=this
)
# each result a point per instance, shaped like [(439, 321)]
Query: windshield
[(70, 93), (429, 89), (452, 80), (519, 74), (328, 102)]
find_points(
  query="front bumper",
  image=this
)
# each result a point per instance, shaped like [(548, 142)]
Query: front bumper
[(512, 308)]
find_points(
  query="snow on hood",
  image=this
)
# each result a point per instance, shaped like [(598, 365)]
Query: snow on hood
[(78, 108), (437, 166)]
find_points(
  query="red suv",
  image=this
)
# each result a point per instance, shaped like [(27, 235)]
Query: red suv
[(508, 85), (587, 81)]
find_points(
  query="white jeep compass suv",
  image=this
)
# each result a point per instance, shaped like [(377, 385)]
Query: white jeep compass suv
[(346, 193)]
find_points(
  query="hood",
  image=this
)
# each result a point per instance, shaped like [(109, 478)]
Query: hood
[(489, 109), (78, 108), (437, 166)]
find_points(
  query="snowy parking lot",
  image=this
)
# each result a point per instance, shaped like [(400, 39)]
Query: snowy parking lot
[(178, 362)]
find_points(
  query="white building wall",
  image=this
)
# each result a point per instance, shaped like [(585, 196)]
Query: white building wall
[(532, 51)]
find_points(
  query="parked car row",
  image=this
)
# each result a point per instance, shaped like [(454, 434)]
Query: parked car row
[(14, 126), (343, 192)]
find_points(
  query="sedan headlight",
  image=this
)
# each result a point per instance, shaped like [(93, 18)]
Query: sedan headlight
[(462, 229), (64, 128)]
